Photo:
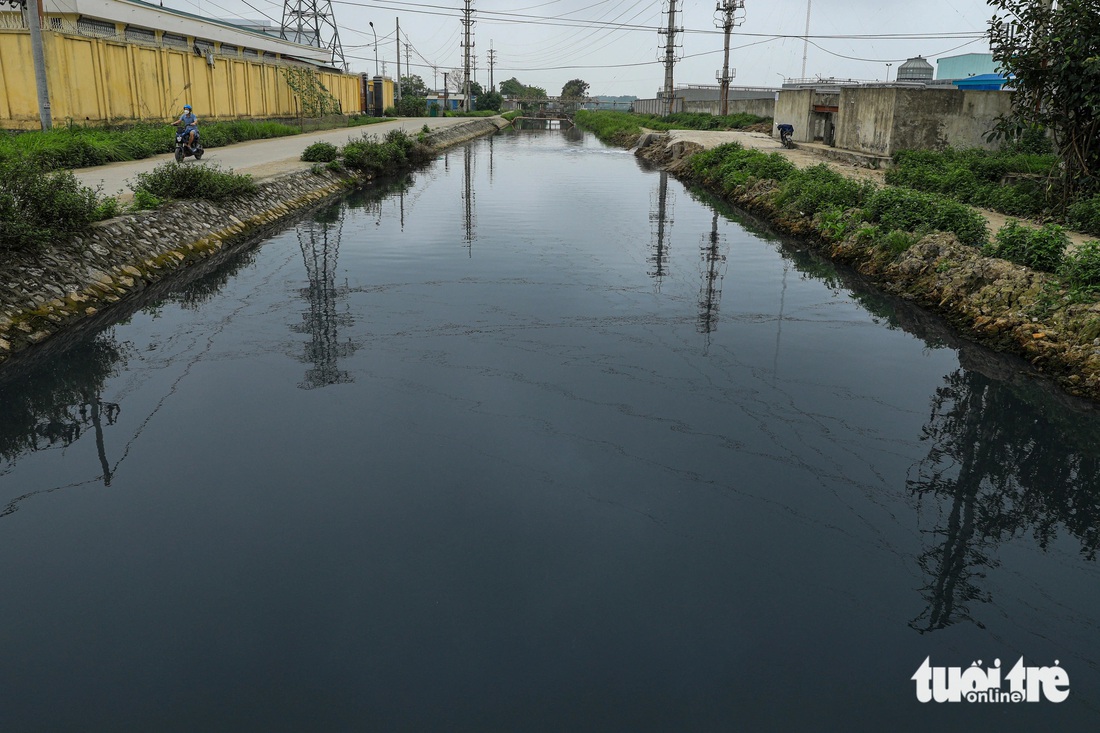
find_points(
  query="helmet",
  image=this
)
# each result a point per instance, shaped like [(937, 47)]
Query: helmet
[(187, 106)]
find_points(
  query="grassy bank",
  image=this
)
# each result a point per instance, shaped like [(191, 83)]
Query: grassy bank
[(1013, 181), (80, 147), (623, 128), (1020, 289)]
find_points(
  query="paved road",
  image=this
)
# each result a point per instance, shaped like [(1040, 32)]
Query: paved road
[(260, 158)]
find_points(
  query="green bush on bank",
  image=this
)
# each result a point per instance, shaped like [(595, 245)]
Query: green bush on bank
[(1040, 249), (396, 151), (1081, 267), (916, 211), (193, 181), (320, 152), (38, 207), (1010, 181), (623, 128)]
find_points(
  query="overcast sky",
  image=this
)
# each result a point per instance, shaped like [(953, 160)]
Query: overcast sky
[(613, 44)]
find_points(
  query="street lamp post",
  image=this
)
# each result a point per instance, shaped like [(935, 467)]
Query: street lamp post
[(888, 71), (375, 47)]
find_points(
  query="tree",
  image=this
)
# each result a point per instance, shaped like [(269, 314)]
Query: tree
[(512, 87), (574, 89), (413, 86), (490, 100), (1052, 57)]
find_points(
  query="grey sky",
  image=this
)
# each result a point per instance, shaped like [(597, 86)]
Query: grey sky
[(533, 40)]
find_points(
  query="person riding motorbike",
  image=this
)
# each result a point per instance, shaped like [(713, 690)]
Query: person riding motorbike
[(190, 124)]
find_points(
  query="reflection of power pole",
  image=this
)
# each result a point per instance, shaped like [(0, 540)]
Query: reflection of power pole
[(468, 198), (94, 410), (467, 50), (711, 293), (728, 10), (662, 217), (670, 52), (320, 244)]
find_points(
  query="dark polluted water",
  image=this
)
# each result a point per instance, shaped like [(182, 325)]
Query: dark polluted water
[(537, 440)]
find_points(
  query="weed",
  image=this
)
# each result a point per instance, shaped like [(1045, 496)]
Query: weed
[(914, 211), (1040, 249), (107, 208), (145, 200), (1081, 267), (190, 181), (320, 152), (815, 189), (38, 207)]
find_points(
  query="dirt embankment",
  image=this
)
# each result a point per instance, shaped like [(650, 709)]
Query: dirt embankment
[(995, 302)]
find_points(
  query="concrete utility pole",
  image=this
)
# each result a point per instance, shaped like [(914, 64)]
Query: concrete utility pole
[(492, 62), (34, 20), (728, 10), (670, 52), (806, 39), (397, 44), (446, 91), (467, 49), (408, 64)]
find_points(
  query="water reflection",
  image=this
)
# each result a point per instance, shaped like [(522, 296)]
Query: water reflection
[(710, 294), (995, 471), (469, 217), (660, 218), (319, 240)]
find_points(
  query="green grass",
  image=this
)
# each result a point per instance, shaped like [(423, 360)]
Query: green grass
[(1040, 249), (623, 128)]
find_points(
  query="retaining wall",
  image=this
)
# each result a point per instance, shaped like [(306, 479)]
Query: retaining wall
[(48, 291)]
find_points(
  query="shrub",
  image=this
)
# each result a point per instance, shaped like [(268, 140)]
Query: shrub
[(194, 181), (395, 151), (1081, 267), (107, 208), (320, 152), (145, 200), (915, 211), (38, 207), (1084, 214), (814, 189), (1039, 249)]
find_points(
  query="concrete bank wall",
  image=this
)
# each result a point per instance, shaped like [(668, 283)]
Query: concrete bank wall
[(758, 107), (49, 291)]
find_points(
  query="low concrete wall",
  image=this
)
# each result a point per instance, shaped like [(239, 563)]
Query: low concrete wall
[(49, 291), (884, 120), (758, 107), (656, 106)]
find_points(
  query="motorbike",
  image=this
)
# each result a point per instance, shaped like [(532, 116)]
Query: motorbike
[(183, 150), (785, 133)]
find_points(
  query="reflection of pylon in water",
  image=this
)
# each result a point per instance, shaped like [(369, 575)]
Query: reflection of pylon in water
[(710, 294), (469, 216), (660, 219), (320, 243)]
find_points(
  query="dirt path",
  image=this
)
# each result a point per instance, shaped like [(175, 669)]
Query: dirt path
[(805, 156)]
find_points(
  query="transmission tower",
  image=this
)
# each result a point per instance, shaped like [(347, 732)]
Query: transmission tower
[(467, 50), (670, 56), (730, 13), (311, 23)]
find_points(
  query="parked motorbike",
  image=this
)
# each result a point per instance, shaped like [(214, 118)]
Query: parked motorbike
[(183, 150)]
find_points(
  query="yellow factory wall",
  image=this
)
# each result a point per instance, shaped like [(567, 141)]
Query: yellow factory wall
[(97, 80)]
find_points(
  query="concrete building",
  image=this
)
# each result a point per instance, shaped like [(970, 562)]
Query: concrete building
[(116, 60)]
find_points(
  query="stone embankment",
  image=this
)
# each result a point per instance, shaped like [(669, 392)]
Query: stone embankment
[(1002, 305), (46, 292)]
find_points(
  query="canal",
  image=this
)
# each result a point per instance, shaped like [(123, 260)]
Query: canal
[(537, 439)]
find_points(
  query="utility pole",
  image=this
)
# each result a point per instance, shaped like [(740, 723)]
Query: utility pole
[(806, 39), (408, 64), (34, 20), (492, 62), (467, 49), (670, 52), (446, 91), (397, 44), (727, 9)]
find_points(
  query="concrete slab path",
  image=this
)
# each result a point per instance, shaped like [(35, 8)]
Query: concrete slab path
[(259, 158)]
